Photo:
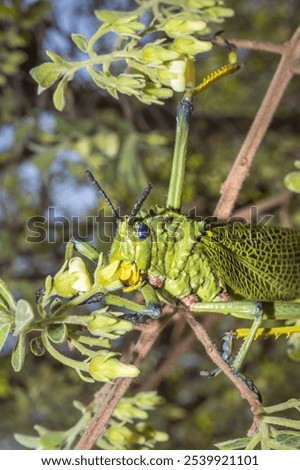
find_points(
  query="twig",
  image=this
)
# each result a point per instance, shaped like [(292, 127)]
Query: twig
[(215, 356), (135, 355), (242, 164), (252, 44), (278, 200)]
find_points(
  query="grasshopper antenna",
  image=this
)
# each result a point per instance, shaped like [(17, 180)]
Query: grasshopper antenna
[(102, 193), (141, 200)]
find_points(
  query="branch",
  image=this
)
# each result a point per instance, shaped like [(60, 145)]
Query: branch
[(251, 44), (278, 200), (215, 356), (242, 164)]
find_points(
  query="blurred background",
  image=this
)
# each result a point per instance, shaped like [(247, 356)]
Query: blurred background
[(43, 158)]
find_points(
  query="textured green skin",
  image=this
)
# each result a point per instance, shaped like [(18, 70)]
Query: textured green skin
[(192, 257)]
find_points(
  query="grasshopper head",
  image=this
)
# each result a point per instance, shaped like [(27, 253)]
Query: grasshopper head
[(132, 242), (133, 237)]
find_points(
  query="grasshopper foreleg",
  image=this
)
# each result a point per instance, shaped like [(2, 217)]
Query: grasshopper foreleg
[(226, 355), (240, 309), (138, 313)]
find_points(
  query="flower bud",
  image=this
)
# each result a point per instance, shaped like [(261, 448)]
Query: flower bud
[(179, 26), (105, 368), (153, 54), (191, 46), (108, 325)]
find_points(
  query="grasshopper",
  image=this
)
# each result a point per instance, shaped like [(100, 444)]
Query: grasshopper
[(250, 272)]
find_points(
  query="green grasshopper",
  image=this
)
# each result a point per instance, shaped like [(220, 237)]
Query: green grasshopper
[(250, 272)]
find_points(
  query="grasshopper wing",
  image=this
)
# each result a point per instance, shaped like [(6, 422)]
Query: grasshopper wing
[(259, 263)]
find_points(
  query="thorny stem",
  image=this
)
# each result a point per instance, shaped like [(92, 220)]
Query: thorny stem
[(285, 70)]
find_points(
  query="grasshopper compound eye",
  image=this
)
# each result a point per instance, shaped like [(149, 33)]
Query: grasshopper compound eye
[(142, 231)]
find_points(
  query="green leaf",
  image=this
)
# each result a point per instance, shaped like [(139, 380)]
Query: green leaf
[(40, 90), (27, 441), (81, 41), (6, 296), (52, 440), (24, 316), (18, 355), (4, 330), (55, 304), (46, 74), (290, 439), (37, 346), (111, 16), (292, 181), (233, 444), (59, 95), (57, 333), (101, 80), (57, 59)]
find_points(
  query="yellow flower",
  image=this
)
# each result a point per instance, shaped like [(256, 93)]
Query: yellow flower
[(173, 75), (73, 278)]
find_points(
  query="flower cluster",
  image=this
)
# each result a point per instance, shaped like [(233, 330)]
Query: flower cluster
[(59, 322), (158, 56)]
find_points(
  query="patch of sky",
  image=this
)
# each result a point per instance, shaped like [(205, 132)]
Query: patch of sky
[(7, 135), (47, 121), (69, 196), (30, 179)]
